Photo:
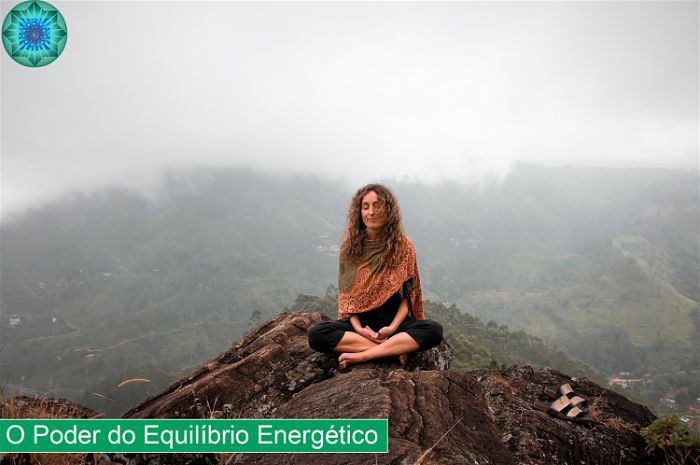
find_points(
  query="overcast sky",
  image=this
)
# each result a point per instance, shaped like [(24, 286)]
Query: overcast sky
[(360, 90)]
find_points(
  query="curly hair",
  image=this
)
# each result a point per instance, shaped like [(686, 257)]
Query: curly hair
[(392, 234)]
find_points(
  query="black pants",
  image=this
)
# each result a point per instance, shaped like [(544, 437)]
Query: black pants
[(427, 333)]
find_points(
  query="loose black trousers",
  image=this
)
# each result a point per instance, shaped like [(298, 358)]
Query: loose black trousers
[(323, 337)]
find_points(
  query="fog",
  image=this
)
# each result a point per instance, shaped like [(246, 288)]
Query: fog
[(356, 91)]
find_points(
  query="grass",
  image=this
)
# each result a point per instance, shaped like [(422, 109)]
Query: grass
[(25, 407)]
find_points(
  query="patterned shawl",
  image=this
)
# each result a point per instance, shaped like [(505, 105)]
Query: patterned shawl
[(364, 285)]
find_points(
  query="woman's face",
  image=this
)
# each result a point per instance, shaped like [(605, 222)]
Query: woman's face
[(373, 215)]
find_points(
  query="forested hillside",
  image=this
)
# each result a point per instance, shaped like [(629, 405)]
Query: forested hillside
[(601, 263)]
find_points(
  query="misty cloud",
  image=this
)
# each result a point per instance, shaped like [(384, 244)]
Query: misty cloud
[(361, 91)]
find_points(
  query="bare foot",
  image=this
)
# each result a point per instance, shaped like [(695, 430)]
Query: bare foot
[(348, 358)]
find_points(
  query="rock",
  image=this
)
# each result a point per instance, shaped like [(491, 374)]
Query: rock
[(421, 406), (262, 372), (535, 437), (435, 416), (438, 358), (164, 459), (42, 407)]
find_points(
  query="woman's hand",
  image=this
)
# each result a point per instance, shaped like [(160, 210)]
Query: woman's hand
[(385, 333), (368, 333)]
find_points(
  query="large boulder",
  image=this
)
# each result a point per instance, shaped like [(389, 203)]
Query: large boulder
[(436, 416), (439, 413), (260, 373)]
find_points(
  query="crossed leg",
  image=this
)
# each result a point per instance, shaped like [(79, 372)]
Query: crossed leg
[(399, 343), (353, 342)]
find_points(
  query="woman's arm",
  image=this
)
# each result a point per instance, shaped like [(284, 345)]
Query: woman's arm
[(387, 331), (355, 322)]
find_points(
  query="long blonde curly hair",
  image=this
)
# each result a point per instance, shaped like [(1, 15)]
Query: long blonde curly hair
[(392, 234)]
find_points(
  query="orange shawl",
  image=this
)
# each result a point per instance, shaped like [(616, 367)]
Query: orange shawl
[(366, 286)]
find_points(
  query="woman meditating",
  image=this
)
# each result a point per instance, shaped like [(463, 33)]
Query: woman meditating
[(380, 306)]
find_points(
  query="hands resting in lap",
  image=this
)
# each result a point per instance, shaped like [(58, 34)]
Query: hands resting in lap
[(377, 336)]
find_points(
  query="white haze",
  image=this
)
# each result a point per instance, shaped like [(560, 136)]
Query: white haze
[(357, 91)]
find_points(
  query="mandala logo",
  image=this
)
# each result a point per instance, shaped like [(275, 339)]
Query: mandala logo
[(34, 33)]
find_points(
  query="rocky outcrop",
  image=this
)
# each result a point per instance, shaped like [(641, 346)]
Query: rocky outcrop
[(534, 437), (260, 373), (421, 406), (42, 407), (435, 416)]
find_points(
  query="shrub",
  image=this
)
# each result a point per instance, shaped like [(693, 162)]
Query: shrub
[(677, 444)]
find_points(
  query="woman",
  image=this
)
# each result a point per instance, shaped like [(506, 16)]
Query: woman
[(380, 306)]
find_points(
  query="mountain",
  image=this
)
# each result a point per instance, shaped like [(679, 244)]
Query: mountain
[(435, 415), (603, 264)]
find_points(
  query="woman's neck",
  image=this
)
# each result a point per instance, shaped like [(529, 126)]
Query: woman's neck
[(372, 235)]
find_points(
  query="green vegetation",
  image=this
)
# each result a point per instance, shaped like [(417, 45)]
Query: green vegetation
[(602, 264), (679, 447)]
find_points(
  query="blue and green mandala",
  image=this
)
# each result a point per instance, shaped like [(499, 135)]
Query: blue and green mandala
[(34, 33)]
